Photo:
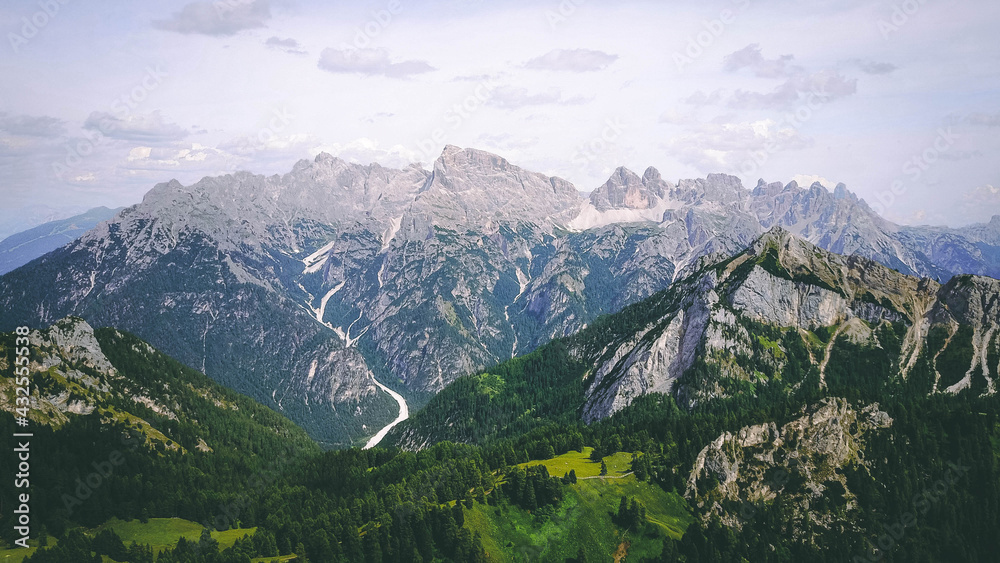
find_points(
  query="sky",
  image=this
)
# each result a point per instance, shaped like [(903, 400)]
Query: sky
[(899, 100)]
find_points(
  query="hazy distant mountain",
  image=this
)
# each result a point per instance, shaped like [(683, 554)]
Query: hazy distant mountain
[(299, 289), (21, 248), (14, 220)]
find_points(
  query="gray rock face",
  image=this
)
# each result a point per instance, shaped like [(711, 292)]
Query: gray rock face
[(70, 350), (626, 190), (782, 302), (473, 188), (798, 461), (784, 282)]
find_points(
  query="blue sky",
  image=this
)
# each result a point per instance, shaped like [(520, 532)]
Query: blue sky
[(898, 100)]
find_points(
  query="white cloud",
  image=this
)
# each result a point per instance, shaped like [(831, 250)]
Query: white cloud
[(144, 128), (139, 153), (190, 157), (287, 45), (700, 98), (509, 97), (869, 66), (572, 60), (986, 194), (984, 119), (371, 62), (751, 57), (724, 147), (250, 145), (825, 86), (32, 126), (219, 18)]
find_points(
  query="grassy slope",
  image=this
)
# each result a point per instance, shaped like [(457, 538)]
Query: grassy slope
[(583, 519), (159, 533), (618, 464)]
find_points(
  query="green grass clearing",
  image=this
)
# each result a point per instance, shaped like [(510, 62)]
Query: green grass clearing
[(582, 520), (618, 464), (162, 533)]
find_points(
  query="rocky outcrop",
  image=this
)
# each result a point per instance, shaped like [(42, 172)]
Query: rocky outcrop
[(800, 461)]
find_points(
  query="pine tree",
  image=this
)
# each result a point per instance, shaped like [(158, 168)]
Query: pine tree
[(206, 543), (300, 553), (529, 498), (604, 468)]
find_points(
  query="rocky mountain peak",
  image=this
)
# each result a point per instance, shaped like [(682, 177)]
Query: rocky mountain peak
[(716, 190), (474, 186), (764, 189), (467, 160), (623, 190), (651, 175), (841, 192), (776, 237), (323, 159)]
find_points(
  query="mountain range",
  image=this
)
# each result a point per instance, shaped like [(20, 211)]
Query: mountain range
[(307, 290), (23, 247), (783, 316)]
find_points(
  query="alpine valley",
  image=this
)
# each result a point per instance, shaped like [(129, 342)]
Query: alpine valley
[(690, 371)]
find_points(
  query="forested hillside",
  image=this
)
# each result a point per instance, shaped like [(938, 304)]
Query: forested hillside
[(864, 436)]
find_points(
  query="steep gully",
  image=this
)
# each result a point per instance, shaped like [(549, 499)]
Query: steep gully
[(312, 264)]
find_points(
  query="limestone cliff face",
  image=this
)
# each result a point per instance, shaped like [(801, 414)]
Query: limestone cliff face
[(782, 302), (783, 282), (68, 351), (802, 462)]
